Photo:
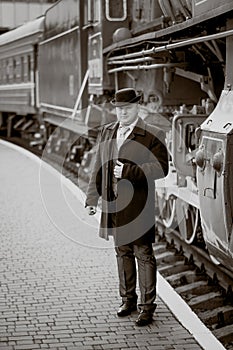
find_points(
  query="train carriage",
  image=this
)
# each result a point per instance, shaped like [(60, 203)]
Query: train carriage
[(62, 67), (19, 74), (62, 74)]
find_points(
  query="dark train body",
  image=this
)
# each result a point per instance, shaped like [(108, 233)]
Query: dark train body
[(59, 72)]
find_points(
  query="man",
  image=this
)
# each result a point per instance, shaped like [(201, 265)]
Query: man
[(130, 156)]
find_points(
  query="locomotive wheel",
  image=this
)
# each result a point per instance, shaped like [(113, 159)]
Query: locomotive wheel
[(167, 209), (188, 220)]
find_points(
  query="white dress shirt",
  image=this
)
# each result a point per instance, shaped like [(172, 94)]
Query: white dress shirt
[(119, 136), (119, 166)]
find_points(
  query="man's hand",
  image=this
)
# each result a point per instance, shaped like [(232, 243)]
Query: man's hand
[(91, 210), (118, 169)]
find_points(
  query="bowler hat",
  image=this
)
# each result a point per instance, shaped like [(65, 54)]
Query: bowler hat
[(124, 97)]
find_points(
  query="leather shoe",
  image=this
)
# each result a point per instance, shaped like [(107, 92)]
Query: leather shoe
[(126, 308), (144, 318)]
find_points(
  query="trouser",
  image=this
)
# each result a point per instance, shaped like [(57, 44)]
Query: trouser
[(127, 255)]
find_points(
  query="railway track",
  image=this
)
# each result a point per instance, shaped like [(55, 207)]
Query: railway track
[(206, 287)]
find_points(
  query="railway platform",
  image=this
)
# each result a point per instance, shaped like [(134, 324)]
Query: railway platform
[(59, 285)]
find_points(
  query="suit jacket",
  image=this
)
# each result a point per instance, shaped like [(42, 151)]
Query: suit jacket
[(145, 159)]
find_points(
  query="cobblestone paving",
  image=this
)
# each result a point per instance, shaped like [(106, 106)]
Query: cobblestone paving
[(59, 286)]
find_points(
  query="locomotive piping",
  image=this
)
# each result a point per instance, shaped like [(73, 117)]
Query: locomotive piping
[(139, 67), (166, 47)]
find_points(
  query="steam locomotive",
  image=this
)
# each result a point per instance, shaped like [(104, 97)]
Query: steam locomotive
[(59, 72)]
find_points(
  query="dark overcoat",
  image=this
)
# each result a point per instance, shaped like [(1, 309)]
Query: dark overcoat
[(130, 215)]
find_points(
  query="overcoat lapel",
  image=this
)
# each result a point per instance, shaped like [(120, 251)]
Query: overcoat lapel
[(111, 136)]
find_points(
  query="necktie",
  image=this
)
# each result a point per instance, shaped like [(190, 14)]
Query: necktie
[(121, 135)]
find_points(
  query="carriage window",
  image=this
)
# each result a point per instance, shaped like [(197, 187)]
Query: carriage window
[(116, 10), (29, 68), (22, 69), (14, 68), (1, 70), (7, 71)]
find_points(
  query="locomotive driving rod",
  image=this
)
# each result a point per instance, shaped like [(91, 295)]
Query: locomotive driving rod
[(175, 45)]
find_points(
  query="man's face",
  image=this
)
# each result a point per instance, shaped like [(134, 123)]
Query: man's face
[(127, 114)]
